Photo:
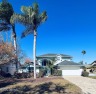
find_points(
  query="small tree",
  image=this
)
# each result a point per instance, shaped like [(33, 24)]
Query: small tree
[(6, 52), (50, 66), (83, 53)]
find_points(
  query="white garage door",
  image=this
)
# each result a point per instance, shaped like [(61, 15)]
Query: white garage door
[(72, 72)]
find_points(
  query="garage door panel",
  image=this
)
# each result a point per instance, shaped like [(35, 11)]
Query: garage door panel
[(72, 72)]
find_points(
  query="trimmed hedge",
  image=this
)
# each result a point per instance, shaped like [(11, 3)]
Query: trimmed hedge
[(57, 72), (42, 73), (21, 75), (85, 74)]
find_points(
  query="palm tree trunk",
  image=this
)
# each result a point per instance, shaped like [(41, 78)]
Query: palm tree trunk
[(15, 47), (15, 44), (34, 54), (14, 37), (83, 58)]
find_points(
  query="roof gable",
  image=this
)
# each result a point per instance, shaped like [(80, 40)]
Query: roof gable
[(54, 55), (68, 63)]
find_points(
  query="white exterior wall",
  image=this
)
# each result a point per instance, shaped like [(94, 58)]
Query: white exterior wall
[(26, 70), (59, 59), (66, 59), (39, 62), (71, 71), (11, 68), (37, 70)]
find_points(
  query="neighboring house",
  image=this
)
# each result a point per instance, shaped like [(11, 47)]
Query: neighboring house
[(64, 62), (93, 63), (91, 68), (9, 66), (28, 67)]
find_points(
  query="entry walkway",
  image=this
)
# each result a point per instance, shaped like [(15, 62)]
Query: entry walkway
[(88, 85)]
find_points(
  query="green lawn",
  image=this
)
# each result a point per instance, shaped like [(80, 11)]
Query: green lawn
[(94, 77)]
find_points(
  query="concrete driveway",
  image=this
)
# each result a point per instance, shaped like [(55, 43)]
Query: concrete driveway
[(88, 85)]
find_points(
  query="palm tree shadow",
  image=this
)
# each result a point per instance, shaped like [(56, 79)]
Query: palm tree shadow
[(48, 88), (7, 82), (4, 84)]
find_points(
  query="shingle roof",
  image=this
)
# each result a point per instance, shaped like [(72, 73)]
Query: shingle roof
[(54, 55), (68, 63)]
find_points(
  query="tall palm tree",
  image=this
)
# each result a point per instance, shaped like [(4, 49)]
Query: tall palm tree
[(31, 19), (83, 53), (6, 11)]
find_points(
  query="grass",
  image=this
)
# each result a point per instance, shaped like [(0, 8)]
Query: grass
[(93, 77), (41, 86)]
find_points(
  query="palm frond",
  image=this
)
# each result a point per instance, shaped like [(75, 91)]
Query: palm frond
[(24, 10), (4, 26), (30, 18), (23, 19), (27, 11), (36, 8), (29, 30), (43, 17), (6, 11)]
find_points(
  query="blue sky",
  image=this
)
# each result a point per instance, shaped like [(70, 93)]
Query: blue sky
[(69, 29)]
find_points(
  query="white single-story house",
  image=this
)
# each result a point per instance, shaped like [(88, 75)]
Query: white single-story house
[(9, 66), (64, 62)]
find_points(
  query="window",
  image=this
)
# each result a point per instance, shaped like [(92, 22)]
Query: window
[(58, 58), (44, 63)]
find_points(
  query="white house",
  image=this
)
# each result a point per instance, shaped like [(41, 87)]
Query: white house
[(9, 66), (64, 62), (28, 67), (56, 58)]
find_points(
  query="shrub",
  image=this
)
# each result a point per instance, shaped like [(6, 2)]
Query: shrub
[(42, 73), (85, 74), (57, 72), (3, 74), (8, 75), (22, 75)]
